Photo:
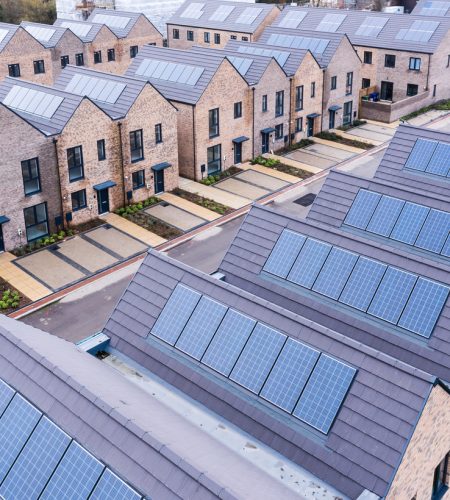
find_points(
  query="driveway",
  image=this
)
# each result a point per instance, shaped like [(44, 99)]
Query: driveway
[(372, 131), (321, 156), (175, 216)]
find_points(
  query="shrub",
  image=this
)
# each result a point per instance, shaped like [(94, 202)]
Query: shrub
[(10, 299)]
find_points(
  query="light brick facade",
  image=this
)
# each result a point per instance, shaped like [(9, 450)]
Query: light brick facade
[(68, 45)]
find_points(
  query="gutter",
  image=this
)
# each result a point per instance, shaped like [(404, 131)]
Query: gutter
[(253, 122), (323, 99), (61, 205), (195, 143), (291, 93), (428, 72), (122, 164)]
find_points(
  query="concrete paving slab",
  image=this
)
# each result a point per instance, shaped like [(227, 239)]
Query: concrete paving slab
[(330, 152), (262, 180), (116, 241), (311, 159), (50, 269), (229, 199), (379, 128), (368, 134), (126, 226), (271, 172), (175, 217), (241, 189), (85, 254), (188, 206)]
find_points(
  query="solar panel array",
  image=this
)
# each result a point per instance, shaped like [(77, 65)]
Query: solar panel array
[(41, 34), (80, 29), (240, 63), (434, 8), (315, 45), (222, 13), (32, 101), (371, 26), (430, 157), (289, 374), (280, 56), (100, 89), (419, 31), (331, 22), (404, 299), (292, 19), (39, 460), (193, 10), (399, 220), (248, 15), (119, 22), (169, 71), (3, 34)]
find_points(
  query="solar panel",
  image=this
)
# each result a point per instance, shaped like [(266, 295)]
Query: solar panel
[(331, 22), (240, 63), (435, 231), (424, 307), (222, 13), (362, 209), (228, 342), (292, 19), (119, 22), (315, 45), (173, 72), (6, 394), (440, 161), (3, 34), (421, 154), (16, 425), (434, 8), (175, 314), (113, 488), (36, 462), (281, 57), (75, 476), (335, 272), (385, 215), (201, 327), (100, 89), (258, 357), (371, 26), (324, 393), (446, 250), (193, 11), (80, 29), (284, 253), (248, 15), (419, 31), (309, 263), (392, 295), (32, 101), (40, 33), (289, 375), (409, 223)]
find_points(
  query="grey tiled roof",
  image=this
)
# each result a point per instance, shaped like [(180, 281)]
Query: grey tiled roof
[(324, 59), (387, 36), (392, 164), (94, 28), (121, 32), (229, 24), (48, 126), (11, 30), (421, 7), (365, 444), (253, 244), (120, 108), (53, 40)]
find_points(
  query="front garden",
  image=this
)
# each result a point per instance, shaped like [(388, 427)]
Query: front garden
[(202, 201), (331, 136), (281, 167), (212, 179), (10, 298)]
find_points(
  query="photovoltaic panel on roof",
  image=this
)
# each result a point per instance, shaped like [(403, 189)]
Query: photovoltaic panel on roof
[(280, 56), (6, 394), (409, 223), (362, 209), (33, 101), (119, 22), (113, 488), (385, 215), (168, 71), (309, 263), (421, 154), (434, 8), (419, 31), (40, 33), (292, 19), (3, 34), (315, 45), (79, 29), (101, 89), (371, 26), (248, 15), (331, 22), (193, 11), (434, 232), (222, 12), (284, 253), (439, 163), (240, 63)]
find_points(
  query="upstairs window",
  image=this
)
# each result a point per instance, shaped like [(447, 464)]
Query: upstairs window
[(299, 98), (101, 150), (213, 122), (31, 177), (217, 38), (367, 57), (313, 89), (134, 50), (158, 133), (79, 59), (333, 82), (415, 63), (176, 34), (98, 57), (14, 70), (279, 103), (39, 67), (75, 163), (190, 36), (206, 36), (264, 104), (389, 61), (349, 83), (64, 61), (136, 146), (111, 55), (238, 109)]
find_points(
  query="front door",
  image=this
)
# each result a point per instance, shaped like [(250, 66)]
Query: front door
[(2, 243), (387, 91), (103, 201), (265, 143), (159, 181), (310, 131), (332, 119), (237, 153)]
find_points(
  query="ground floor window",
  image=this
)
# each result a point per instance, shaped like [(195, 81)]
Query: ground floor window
[(36, 221), (347, 119), (214, 159), (412, 89), (138, 179), (298, 124), (79, 200), (279, 131), (365, 83), (440, 483)]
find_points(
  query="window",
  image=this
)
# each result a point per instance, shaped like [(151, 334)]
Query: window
[(347, 118), (234, 37), (214, 159), (349, 83), (238, 109), (14, 70), (158, 133), (111, 55), (190, 35), (367, 57), (213, 122), (138, 179), (39, 67), (217, 38), (79, 200), (365, 83), (389, 61), (79, 59), (299, 98), (313, 89), (412, 89), (244, 38), (75, 162), (298, 124), (414, 63), (333, 82), (206, 36), (36, 221), (134, 50), (264, 104), (98, 57), (279, 103), (176, 34), (279, 131), (101, 150), (136, 146), (30, 175), (64, 61), (440, 485)]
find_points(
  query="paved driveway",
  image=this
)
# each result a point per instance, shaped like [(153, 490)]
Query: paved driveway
[(373, 131), (175, 216), (321, 156)]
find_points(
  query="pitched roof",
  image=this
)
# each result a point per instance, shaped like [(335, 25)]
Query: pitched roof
[(369, 29), (48, 35), (7, 31), (242, 17), (120, 22), (366, 441), (46, 108), (394, 166), (114, 94), (181, 77), (323, 46), (432, 8), (85, 31)]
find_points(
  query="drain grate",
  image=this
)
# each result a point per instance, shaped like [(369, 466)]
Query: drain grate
[(306, 200)]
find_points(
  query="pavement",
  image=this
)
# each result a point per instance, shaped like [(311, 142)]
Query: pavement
[(376, 133)]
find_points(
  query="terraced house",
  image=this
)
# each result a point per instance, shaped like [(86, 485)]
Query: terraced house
[(405, 58), (214, 23), (82, 152)]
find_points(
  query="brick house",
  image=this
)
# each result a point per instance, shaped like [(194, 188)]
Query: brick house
[(214, 23)]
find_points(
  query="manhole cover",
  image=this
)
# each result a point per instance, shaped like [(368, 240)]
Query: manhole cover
[(164, 204), (306, 200)]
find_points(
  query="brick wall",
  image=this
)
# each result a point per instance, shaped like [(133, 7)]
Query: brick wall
[(440, 71), (104, 40), (68, 45), (186, 134)]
